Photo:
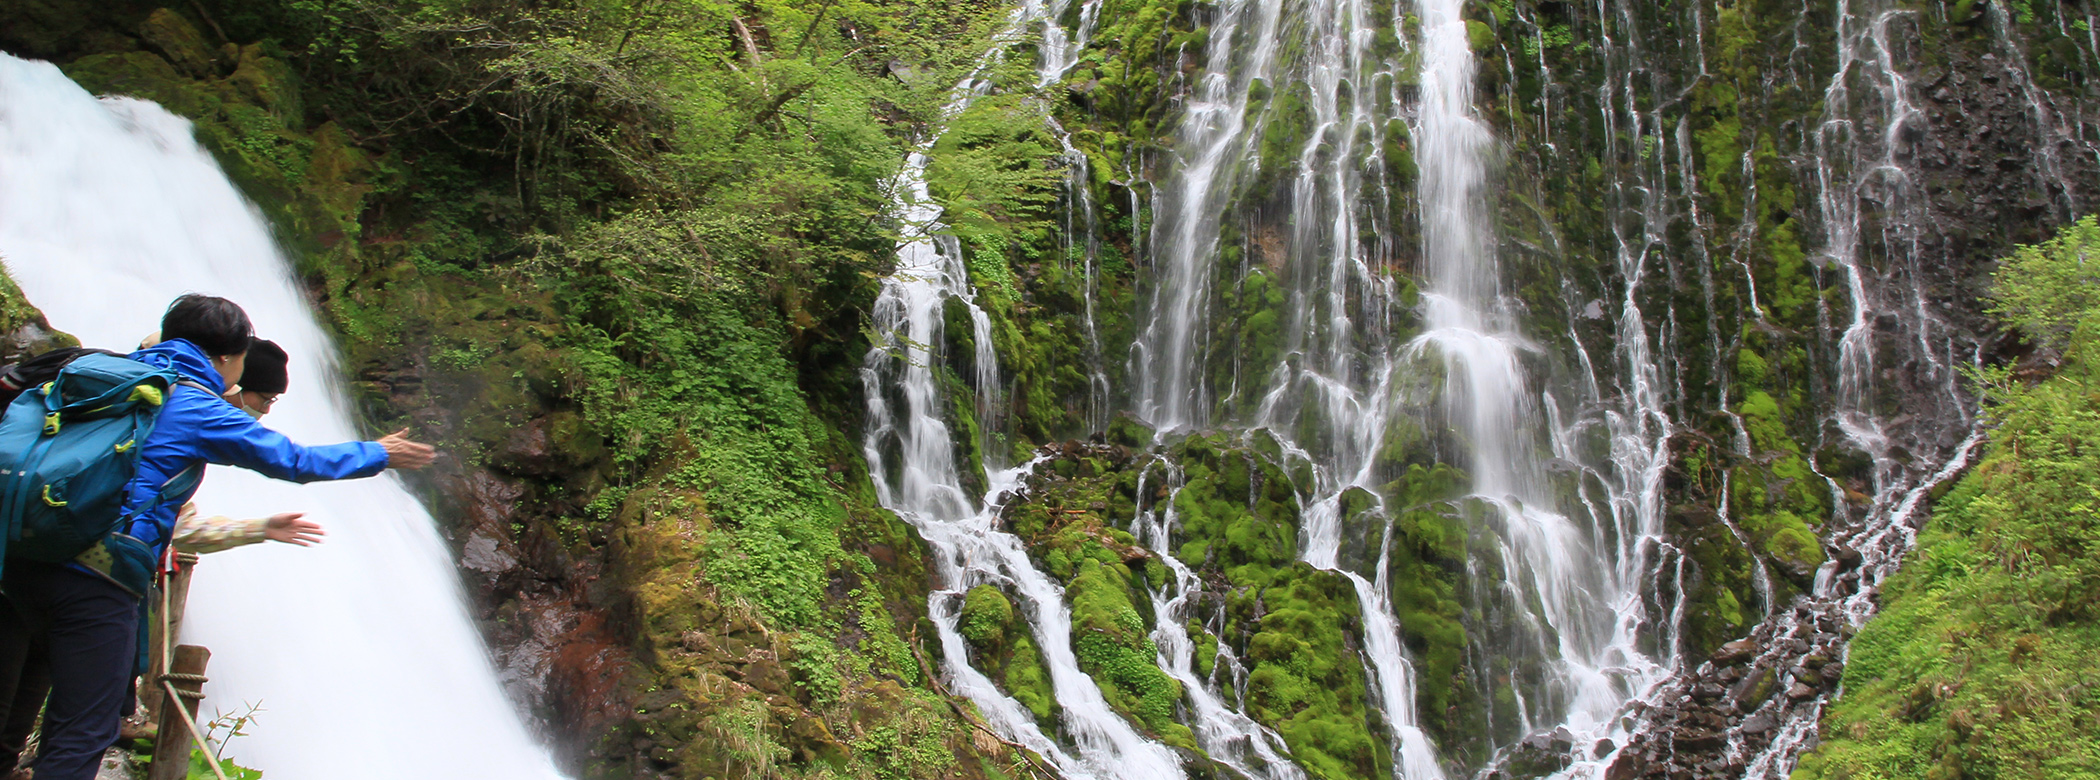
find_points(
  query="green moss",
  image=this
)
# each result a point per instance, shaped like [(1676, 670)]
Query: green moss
[(1750, 370), (1762, 419), (21, 323), (1479, 35), (1028, 681), (1242, 509), (1114, 646), (1427, 565), (986, 618), (1206, 648), (1300, 682)]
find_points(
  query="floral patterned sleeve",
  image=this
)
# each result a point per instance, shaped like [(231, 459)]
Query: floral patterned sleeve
[(211, 534)]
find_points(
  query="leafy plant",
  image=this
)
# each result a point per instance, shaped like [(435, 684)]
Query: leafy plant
[(221, 731), (1980, 663)]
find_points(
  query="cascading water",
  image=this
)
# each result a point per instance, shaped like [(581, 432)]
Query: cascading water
[(911, 458), (360, 651), (1583, 566), (1344, 365), (1345, 88), (1873, 211), (1211, 150), (1229, 736)]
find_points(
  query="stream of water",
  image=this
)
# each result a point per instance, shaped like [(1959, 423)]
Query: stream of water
[(1876, 218), (359, 653), (912, 457)]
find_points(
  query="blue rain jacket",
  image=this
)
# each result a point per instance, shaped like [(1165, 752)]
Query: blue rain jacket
[(198, 427)]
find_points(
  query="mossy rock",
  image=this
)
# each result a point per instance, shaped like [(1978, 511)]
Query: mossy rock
[(987, 617)]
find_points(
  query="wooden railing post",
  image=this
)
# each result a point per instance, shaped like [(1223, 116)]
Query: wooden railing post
[(171, 747), (177, 597)]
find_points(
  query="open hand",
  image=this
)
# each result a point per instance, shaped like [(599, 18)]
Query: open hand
[(293, 528), (401, 453)]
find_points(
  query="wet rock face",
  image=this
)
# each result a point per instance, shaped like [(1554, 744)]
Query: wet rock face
[(547, 619), (1726, 716), (1985, 159), (536, 581)]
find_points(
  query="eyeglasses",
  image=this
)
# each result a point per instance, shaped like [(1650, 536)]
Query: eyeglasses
[(267, 400)]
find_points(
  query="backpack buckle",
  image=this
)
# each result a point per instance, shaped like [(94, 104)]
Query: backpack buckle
[(51, 424)]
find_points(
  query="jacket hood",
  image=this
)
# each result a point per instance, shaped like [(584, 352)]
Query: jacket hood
[(184, 358)]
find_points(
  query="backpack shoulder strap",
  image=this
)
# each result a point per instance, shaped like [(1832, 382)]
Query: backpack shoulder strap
[(183, 482)]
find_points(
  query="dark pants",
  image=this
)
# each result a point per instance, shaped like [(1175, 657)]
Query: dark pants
[(90, 627), (25, 679)]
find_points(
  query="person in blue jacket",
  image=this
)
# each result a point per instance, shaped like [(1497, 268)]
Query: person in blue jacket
[(90, 610)]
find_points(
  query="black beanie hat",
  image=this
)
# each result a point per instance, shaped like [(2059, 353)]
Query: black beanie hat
[(266, 368)]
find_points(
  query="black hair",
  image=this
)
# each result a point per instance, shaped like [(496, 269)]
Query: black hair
[(266, 368), (216, 325)]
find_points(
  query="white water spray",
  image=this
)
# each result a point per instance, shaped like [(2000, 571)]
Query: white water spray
[(1211, 150), (359, 651), (1582, 573)]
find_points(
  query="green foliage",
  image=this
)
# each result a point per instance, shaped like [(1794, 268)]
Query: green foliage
[(1980, 662), (998, 173), (2051, 290), (896, 756), (993, 172), (200, 768)]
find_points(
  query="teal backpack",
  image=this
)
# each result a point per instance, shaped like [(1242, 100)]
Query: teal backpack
[(68, 448)]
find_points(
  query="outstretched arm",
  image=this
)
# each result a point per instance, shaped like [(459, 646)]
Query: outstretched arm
[(293, 528), (401, 453), (226, 436), (211, 534)]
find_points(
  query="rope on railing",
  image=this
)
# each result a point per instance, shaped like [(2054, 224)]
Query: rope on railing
[(190, 723)]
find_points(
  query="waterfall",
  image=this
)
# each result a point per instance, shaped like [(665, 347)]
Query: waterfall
[(1229, 736), (1585, 594), (1210, 151), (1570, 578), (911, 457), (1870, 204), (359, 652), (1340, 358)]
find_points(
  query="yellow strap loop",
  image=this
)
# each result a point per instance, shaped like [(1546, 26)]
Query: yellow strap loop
[(49, 500), (148, 394)]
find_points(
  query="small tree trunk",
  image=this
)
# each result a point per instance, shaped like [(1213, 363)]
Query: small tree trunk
[(171, 748)]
